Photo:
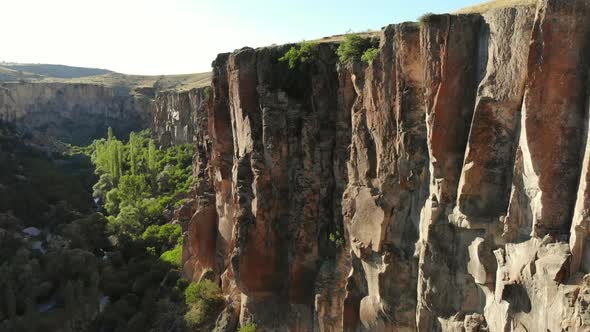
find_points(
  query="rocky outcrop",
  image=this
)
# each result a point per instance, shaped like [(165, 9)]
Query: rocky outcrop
[(73, 113), (435, 189), (174, 115), (275, 171)]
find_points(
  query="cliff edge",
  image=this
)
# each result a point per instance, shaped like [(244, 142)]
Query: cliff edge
[(443, 187)]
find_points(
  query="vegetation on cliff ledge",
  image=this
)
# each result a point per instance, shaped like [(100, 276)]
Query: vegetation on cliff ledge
[(355, 47), (299, 54)]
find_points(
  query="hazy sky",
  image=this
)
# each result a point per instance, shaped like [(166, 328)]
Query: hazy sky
[(182, 36)]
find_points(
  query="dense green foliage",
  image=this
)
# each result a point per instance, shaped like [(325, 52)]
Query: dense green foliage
[(354, 47), (370, 55), (56, 280), (205, 299), (250, 327), (139, 185), (299, 54), (204, 291), (173, 256), (139, 182)]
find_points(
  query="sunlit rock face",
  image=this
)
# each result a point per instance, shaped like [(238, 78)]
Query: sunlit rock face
[(454, 168), (73, 113)]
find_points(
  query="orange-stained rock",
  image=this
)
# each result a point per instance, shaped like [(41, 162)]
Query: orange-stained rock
[(552, 126), (413, 193)]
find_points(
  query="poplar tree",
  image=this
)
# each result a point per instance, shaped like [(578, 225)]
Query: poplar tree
[(151, 162)]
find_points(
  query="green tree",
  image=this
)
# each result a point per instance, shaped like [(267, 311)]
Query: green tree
[(113, 201), (110, 135), (299, 54), (134, 153), (127, 222), (354, 46), (152, 166), (132, 190)]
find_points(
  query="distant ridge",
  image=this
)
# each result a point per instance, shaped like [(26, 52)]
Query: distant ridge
[(59, 71), (48, 73)]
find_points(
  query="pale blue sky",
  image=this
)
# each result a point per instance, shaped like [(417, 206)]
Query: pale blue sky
[(182, 36)]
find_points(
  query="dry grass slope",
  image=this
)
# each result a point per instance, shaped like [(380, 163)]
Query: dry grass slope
[(337, 38), (162, 82), (495, 4), (41, 73)]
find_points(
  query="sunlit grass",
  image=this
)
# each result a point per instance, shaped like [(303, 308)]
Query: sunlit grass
[(495, 4)]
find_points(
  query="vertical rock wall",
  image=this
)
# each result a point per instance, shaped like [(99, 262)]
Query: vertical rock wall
[(454, 170), (176, 113), (73, 113)]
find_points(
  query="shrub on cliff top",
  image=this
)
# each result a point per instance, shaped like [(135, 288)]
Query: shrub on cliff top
[(299, 54), (425, 18), (354, 46)]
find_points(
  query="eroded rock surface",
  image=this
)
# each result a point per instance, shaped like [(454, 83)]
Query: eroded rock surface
[(73, 113), (443, 187), (176, 113)]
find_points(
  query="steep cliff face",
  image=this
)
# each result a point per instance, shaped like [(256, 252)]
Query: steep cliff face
[(455, 166), (74, 113), (175, 114)]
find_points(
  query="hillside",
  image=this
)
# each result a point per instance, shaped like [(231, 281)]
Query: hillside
[(45, 73), (60, 71)]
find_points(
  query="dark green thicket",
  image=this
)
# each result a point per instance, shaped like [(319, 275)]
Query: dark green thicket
[(49, 191)]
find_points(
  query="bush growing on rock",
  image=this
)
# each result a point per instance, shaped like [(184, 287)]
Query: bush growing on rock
[(354, 47), (425, 18), (203, 292), (250, 327), (370, 55), (162, 235), (299, 54), (173, 256), (205, 300)]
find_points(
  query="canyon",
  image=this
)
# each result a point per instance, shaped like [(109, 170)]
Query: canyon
[(442, 187)]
